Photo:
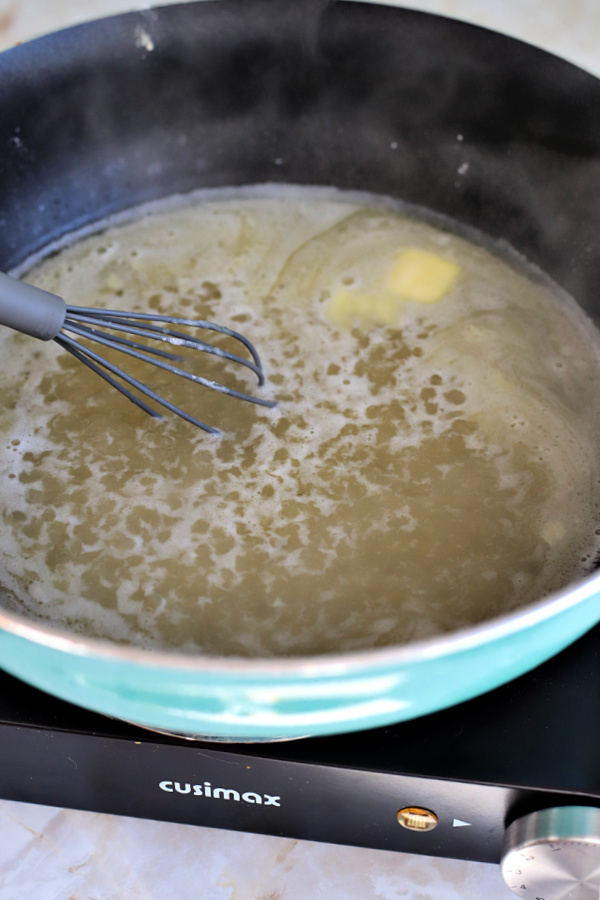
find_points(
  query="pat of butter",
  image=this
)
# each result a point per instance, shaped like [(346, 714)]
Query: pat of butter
[(422, 277), (348, 307)]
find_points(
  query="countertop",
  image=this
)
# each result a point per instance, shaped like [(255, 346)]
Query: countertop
[(57, 854)]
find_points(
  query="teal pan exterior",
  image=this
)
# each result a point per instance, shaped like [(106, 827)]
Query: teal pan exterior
[(254, 700)]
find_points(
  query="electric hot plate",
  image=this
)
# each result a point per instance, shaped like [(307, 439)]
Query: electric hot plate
[(444, 785)]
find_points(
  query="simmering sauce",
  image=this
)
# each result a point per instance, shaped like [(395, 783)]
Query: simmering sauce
[(432, 461)]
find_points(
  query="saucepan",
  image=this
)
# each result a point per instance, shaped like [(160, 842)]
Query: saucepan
[(498, 135)]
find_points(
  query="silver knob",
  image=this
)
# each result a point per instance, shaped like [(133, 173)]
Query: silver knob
[(554, 854)]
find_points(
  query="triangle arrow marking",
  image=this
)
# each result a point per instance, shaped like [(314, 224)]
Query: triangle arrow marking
[(458, 823)]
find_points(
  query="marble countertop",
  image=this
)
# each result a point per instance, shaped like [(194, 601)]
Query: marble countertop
[(57, 854)]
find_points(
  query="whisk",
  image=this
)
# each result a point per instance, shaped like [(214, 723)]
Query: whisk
[(46, 316)]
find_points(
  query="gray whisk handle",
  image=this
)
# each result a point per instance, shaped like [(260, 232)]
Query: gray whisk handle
[(29, 309)]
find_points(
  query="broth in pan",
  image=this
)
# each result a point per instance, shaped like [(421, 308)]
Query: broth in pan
[(432, 461)]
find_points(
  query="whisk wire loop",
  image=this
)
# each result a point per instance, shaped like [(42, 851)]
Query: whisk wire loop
[(115, 315), (137, 354)]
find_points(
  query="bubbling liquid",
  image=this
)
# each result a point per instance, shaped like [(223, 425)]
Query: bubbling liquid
[(418, 475)]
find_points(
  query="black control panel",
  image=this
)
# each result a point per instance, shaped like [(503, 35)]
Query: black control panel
[(469, 770)]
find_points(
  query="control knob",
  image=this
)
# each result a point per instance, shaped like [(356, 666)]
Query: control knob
[(554, 854)]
